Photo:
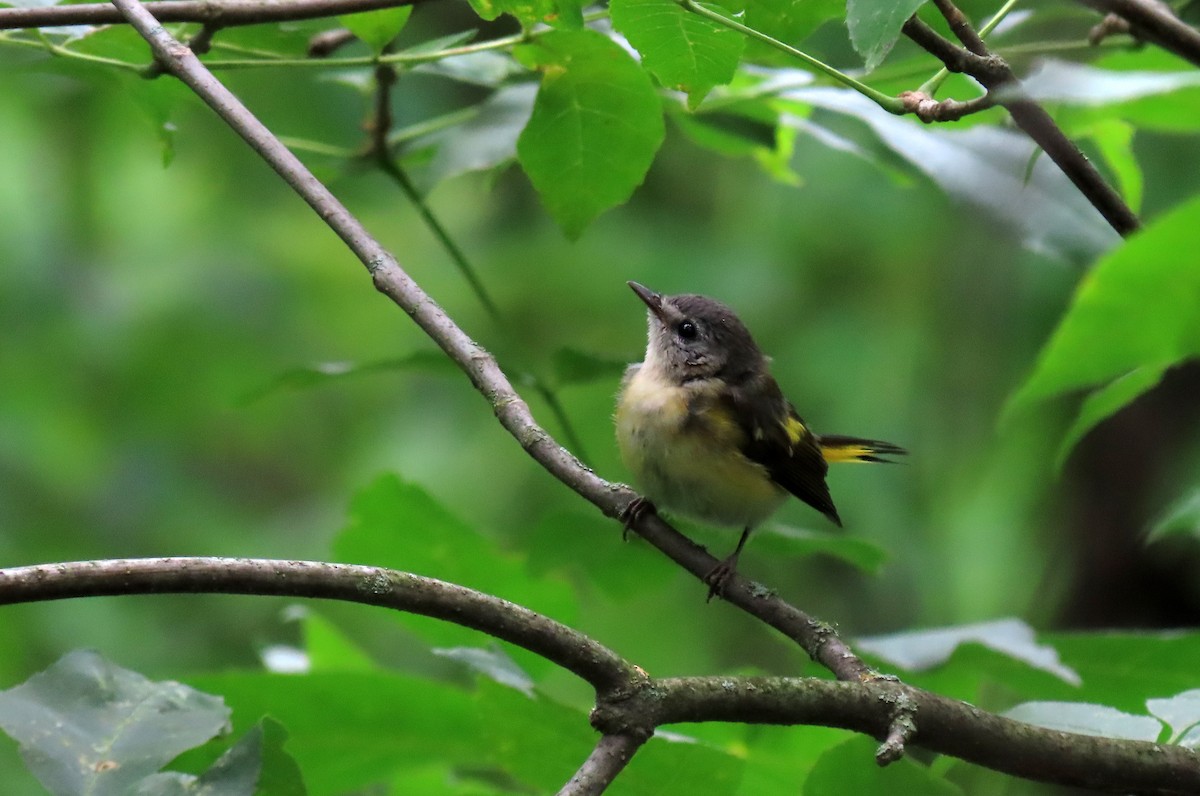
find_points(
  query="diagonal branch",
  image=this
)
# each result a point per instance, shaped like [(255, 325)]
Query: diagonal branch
[(995, 75), (218, 13), (607, 760), (1155, 22), (817, 638)]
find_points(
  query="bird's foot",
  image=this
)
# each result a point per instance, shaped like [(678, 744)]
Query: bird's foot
[(718, 576), (638, 507)]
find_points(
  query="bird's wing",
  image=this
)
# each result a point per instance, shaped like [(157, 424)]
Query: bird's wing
[(778, 439)]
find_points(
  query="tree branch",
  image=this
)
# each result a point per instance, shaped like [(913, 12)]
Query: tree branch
[(606, 671), (995, 75), (942, 725), (1156, 23), (607, 760), (817, 638), (629, 704), (219, 13)]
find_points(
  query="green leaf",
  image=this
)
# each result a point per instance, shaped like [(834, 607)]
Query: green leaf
[(684, 51), (236, 772), (922, 649), (567, 14), (322, 373), (1180, 713), (330, 650), (377, 28), (849, 769), (491, 663), (875, 26), (1087, 719), (1135, 309), (572, 366), (788, 21), (86, 726), (1114, 139), (1107, 401), (596, 125), (1181, 518), (398, 525), (349, 730), (797, 543)]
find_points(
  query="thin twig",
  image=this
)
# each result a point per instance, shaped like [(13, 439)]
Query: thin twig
[(607, 760), (816, 638)]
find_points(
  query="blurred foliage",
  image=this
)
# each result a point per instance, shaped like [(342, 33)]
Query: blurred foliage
[(174, 342)]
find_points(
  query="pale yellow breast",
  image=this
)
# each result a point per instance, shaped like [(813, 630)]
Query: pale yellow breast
[(691, 465)]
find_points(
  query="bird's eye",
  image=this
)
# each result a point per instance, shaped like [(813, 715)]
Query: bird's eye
[(686, 330)]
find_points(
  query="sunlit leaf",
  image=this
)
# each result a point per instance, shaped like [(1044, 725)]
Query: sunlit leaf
[(330, 650), (1135, 309), (684, 51), (596, 125), (1114, 139), (922, 649), (377, 28), (1087, 719), (875, 26), (86, 726)]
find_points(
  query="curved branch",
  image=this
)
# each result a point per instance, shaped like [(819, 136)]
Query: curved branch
[(817, 638), (941, 725), (1156, 23), (217, 13), (606, 671), (607, 760)]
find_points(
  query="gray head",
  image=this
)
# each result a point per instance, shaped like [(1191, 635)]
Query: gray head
[(694, 337)]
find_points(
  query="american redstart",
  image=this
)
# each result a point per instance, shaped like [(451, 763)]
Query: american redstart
[(706, 431)]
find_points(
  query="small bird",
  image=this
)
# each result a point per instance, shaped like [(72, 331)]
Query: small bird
[(706, 431)]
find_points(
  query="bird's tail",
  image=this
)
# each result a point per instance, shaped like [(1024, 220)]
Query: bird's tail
[(836, 448)]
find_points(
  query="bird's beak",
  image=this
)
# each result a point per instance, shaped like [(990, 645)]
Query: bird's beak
[(653, 300)]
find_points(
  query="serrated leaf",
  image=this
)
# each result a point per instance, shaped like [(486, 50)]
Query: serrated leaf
[(1181, 518), (849, 769), (1087, 719), (377, 28), (596, 125), (1180, 713), (1105, 402), (1135, 309), (684, 51), (527, 12), (86, 726), (875, 26), (572, 366), (923, 649)]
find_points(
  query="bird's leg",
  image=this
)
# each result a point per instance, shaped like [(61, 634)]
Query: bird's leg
[(718, 575), (638, 507)]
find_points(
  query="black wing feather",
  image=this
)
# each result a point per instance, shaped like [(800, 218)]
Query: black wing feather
[(799, 467)]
